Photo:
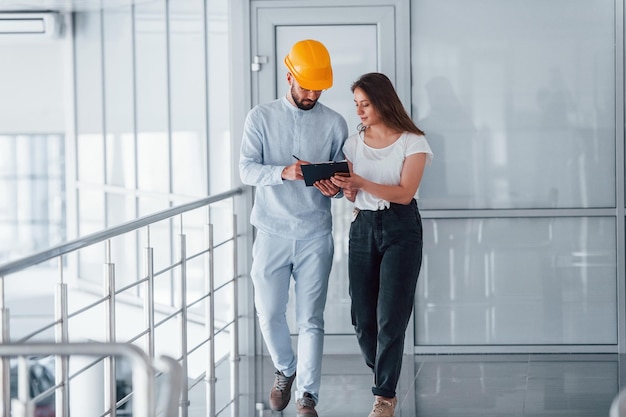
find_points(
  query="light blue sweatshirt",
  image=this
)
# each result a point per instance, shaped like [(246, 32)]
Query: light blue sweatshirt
[(273, 132)]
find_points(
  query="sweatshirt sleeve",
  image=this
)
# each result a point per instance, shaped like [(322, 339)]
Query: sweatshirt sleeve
[(251, 167)]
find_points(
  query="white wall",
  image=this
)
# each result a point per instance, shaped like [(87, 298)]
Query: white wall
[(32, 85)]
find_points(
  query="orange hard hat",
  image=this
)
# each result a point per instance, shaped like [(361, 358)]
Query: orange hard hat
[(309, 63)]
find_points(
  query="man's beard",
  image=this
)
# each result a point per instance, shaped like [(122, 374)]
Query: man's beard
[(301, 105)]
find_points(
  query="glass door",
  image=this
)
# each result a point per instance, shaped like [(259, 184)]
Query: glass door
[(360, 39)]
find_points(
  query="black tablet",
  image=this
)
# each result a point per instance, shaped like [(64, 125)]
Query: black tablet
[(322, 171)]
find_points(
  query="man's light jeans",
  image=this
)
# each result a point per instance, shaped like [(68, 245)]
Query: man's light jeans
[(275, 261)]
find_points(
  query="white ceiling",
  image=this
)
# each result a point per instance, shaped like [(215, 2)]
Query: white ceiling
[(64, 5)]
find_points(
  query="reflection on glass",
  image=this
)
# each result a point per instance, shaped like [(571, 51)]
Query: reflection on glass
[(517, 281), (516, 120)]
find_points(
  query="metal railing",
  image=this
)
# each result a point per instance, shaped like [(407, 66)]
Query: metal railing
[(144, 370), (179, 312)]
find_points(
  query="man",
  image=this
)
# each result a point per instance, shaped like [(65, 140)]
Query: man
[(293, 221)]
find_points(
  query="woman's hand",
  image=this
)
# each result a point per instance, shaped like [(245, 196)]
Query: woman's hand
[(350, 184), (327, 188), (350, 194)]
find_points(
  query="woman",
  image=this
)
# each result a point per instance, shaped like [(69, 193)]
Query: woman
[(386, 157)]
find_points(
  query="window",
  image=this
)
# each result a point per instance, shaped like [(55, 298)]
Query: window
[(32, 181)]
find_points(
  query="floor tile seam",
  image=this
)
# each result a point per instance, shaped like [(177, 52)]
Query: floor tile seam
[(527, 383), (411, 388)]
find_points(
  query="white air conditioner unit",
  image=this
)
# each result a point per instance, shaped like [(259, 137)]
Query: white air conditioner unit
[(48, 25)]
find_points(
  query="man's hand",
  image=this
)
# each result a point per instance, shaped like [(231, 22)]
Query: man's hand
[(293, 172)]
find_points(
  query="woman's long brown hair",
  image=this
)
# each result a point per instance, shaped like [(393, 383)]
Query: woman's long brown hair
[(382, 95)]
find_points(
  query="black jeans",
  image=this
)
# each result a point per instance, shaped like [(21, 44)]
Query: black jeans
[(384, 262)]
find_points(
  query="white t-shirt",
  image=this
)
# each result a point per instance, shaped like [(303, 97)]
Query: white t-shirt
[(382, 166)]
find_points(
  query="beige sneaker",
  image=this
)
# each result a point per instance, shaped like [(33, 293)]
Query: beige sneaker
[(383, 407)]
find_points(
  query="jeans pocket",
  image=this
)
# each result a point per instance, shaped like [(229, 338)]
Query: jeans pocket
[(404, 211)]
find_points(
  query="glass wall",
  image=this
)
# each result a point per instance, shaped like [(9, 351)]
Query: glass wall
[(32, 181), (539, 280), (32, 144), (517, 100), (152, 114)]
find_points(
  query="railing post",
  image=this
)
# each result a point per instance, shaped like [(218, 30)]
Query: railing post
[(183, 325), (149, 296), (234, 345), (61, 362), (5, 366), (25, 408), (210, 323), (109, 363)]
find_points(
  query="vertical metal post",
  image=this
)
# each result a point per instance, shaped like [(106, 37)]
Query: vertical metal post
[(24, 404), (61, 362), (144, 397), (149, 297), (210, 323), (183, 324), (109, 361), (2, 309), (620, 196), (4, 362), (234, 339)]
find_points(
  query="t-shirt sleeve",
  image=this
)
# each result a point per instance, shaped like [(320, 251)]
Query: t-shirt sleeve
[(418, 144)]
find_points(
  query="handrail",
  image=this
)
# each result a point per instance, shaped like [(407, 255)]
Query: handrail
[(143, 370), (84, 241), (178, 263)]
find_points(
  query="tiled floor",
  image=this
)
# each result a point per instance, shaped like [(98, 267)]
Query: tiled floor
[(551, 385)]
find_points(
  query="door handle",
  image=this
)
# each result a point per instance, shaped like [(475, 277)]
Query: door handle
[(257, 61)]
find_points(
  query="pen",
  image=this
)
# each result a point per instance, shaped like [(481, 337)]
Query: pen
[(296, 157)]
